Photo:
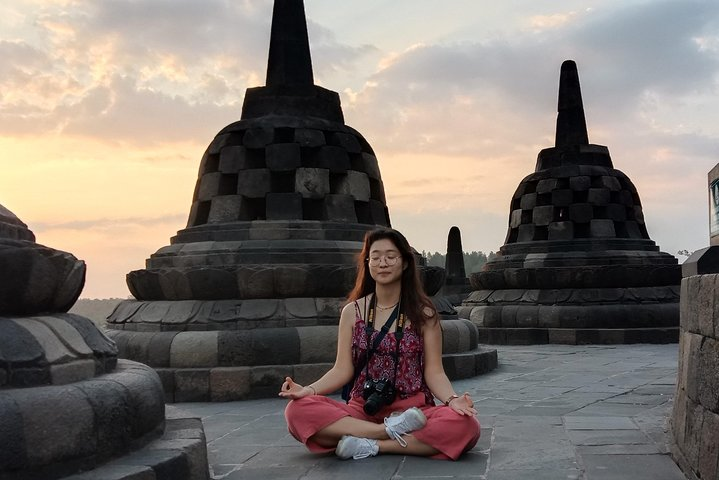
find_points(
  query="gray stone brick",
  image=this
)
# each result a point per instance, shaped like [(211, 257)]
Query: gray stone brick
[(226, 208), (515, 218), (58, 423), (371, 166), (528, 201), (378, 213), (292, 281), (192, 385), (335, 159), (525, 233), (301, 307), (232, 159), (601, 228), (194, 349), (616, 212), (258, 137), (546, 185), (217, 143), (229, 383), (543, 215), (709, 448), (708, 375), (317, 344), (266, 380), (254, 183), (18, 344), (13, 453), (561, 231), (309, 137), (284, 206), (283, 157), (312, 182), (562, 197), (304, 374), (355, 184), (598, 196), (346, 141), (580, 183), (340, 208), (693, 433), (55, 350), (71, 372), (706, 298), (611, 183), (209, 186)]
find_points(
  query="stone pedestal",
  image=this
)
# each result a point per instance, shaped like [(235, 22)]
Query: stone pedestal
[(695, 417), (251, 290), (577, 265), (67, 405)]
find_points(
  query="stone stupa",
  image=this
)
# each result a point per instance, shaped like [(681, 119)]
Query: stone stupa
[(577, 265), (68, 407), (251, 290)]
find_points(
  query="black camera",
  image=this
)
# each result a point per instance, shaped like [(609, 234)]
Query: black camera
[(377, 393)]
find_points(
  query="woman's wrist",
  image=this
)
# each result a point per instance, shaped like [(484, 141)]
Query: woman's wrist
[(314, 392), (450, 398)]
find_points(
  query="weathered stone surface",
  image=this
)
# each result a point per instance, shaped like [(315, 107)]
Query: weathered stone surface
[(312, 182), (355, 184), (13, 455), (254, 182), (233, 159), (192, 385), (194, 349), (283, 157), (229, 383), (340, 208), (56, 426), (284, 206), (335, 159), (226, 208), (309, 137)]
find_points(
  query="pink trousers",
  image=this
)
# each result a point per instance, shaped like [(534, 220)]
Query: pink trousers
[(446, 430)]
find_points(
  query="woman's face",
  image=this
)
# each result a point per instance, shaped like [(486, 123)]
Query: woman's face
[(385, 262)]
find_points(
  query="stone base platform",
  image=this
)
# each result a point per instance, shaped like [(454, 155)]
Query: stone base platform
[(225, 384), (181, 453), (575, 316), (577, 336), (227, 365)]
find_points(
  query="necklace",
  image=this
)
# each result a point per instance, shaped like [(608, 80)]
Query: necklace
[(380, 307)]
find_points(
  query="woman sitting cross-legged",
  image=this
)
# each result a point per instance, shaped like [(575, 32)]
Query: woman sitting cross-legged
[(390, 343)]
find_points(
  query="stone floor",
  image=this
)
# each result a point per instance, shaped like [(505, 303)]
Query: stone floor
[(547, 412)]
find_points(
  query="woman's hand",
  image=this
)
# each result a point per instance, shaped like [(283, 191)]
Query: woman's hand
[(463, 405), (293, 390)]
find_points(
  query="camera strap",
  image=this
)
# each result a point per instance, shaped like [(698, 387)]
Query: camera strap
[(369, 329)]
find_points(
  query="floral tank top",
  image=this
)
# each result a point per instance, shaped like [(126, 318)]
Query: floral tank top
[(410, 378)]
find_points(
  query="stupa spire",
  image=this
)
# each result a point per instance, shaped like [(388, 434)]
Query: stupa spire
[(571, 124), (289, 61)]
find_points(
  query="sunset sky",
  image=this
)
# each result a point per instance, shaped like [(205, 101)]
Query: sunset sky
[(106, 108)]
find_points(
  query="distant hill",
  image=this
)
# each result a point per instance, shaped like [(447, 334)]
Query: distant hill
[(95, 309)]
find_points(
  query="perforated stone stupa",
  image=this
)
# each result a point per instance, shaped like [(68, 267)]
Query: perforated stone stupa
[(251, 289), (577, 265), (67, 405)]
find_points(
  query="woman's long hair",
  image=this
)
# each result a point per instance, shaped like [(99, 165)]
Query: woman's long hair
[(415, 303)]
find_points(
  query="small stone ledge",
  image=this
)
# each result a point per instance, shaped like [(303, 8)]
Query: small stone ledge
[(180, 454)]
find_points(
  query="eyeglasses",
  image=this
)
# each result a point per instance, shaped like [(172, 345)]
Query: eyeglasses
[(388, 259)]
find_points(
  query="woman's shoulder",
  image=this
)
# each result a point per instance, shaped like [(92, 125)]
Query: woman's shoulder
[(354, 308)]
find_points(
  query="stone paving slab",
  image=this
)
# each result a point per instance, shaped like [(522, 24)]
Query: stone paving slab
[(548, 412)]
